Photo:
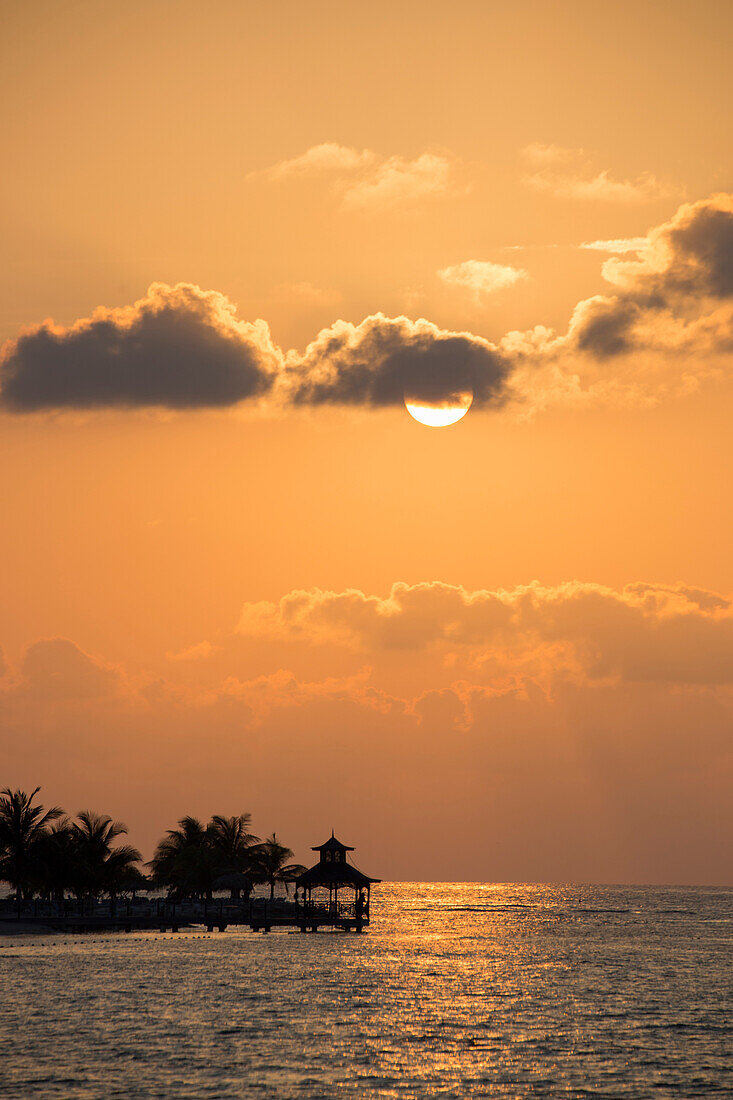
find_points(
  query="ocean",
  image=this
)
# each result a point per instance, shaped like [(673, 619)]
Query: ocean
[(456, 990)]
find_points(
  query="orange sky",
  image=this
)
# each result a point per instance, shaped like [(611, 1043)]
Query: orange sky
[(205, 519)]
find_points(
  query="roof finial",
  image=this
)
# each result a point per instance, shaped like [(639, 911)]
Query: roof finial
[(332, 836)]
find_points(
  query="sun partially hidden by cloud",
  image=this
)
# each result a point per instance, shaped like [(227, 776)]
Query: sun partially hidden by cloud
[(380, 361), (439, 416)]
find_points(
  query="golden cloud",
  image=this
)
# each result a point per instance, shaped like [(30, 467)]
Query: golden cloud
[(569, 174), (365, 180), (642, 633), (482, 277)]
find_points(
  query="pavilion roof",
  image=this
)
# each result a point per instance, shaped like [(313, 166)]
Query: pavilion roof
[(334, 874), (332, 845)]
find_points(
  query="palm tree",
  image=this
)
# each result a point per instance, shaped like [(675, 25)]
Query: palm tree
[(58, 860), (233, 843), (132, 880), (22, 827), (102, 867), (270, 863), (185, 860)]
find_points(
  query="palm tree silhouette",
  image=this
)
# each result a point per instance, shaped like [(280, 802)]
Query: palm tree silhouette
[(22, 827), (102, 867), (185, 860), (58, 862), (270, 863), (233, 844)]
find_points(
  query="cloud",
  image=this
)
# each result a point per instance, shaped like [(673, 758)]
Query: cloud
[(588, 730), (690, 255), (642, 633), (601, 187), (668, 295), (482, 277), (668, 325), (669, 316), (283, 689), (381, 360), (179, 347), (366, 181), (539, 154), (398, 182), (328, 157), (568, 174), (671, 313), (620, 245), (198, 652), (531, 640), (410, 618), (57, 669)]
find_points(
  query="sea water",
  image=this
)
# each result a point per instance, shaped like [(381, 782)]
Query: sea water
[(455, 990)]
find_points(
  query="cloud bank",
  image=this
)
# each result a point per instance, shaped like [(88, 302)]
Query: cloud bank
[(428, 637), (182, 347), (642, 633), (587, 730)]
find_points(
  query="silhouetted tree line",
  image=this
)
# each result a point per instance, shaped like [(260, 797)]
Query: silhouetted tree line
[(44, 853)]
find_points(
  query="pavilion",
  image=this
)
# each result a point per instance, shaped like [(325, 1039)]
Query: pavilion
[(317, 898)]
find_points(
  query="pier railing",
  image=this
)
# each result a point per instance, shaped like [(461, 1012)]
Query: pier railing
[(85, 914)]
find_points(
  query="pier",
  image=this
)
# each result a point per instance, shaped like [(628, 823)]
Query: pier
[(159, 915), (332, 894)]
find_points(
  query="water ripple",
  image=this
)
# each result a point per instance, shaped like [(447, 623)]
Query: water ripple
[(456, 991)]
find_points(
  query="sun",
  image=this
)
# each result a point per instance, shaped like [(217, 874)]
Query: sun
[(439, 416)]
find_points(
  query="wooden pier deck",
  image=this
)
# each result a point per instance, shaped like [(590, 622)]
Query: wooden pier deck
[(257, 914)]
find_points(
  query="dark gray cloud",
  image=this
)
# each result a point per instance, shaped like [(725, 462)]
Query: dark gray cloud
[(685, 269), (383, 360), (605, 326), (179, 347), (701, 239)]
